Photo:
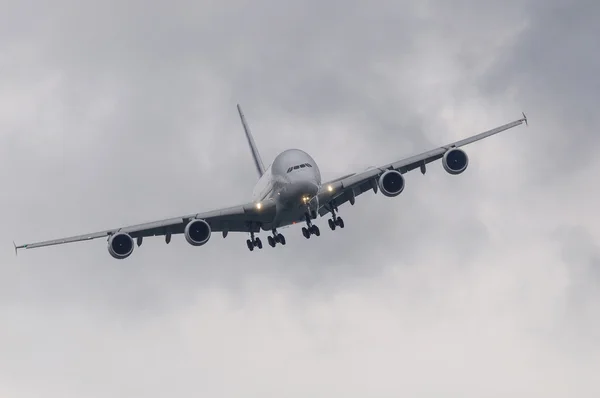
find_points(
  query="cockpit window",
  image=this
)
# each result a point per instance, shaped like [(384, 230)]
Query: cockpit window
[(298, 167)]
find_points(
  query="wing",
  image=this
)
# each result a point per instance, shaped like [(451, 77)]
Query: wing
[(345, 189), (243, 218)]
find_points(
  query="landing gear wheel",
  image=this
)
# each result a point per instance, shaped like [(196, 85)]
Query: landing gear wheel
[(258, 243), (315, 230), (281, 239), (250, 245), (271, 241), (331, 224), (340, 222), (305, 232)]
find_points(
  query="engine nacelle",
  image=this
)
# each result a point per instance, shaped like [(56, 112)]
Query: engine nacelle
[(120, 245), (455, 161), (391, 183), (197, 232)]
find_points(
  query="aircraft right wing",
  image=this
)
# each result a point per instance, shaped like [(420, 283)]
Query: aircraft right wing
[(345, 189), (243, 218)]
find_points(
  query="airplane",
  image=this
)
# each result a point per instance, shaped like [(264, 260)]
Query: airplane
[(289, 191)]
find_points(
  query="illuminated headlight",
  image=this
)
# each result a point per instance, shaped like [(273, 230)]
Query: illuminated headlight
[(258, 206), (330, 188)]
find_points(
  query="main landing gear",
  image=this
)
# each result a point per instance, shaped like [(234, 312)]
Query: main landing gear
[(335, 221), (276, 238), (253, 242), (273, 240), (310, 229)]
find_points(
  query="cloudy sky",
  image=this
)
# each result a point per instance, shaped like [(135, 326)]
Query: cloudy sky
[(485, 284)]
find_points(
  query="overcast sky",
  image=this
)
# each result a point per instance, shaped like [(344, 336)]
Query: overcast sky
[(484, 284)]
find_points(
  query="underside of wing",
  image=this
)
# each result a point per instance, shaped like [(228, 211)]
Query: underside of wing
[(389, 178), (197, 228)]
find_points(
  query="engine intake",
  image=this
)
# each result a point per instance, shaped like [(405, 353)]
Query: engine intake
[(120, 245), (197, 232), (455, 161), (391, 183)]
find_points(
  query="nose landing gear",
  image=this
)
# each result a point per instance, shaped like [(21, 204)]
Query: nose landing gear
[(310, 229)]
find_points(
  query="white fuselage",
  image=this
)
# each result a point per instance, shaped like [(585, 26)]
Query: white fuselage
[(292, 182)]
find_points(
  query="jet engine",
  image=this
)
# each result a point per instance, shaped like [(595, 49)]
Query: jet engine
[(391, 183), (455, 161), (120, 245), (197, 232)]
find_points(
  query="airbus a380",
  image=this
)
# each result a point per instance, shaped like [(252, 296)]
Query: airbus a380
[(289, 191)]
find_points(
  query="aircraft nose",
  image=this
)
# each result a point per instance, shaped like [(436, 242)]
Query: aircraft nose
[(300, 189), (308, 188)]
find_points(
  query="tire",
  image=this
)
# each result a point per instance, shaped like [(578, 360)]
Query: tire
[(331, 224), (306, 233)]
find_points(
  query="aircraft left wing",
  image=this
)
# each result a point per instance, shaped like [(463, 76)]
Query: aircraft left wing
[(345, 189), (242, 218)]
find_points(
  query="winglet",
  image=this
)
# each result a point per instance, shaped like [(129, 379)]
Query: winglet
[(525, 118), (18, 247)]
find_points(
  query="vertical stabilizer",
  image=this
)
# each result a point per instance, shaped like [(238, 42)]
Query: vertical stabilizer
[(260, 167)]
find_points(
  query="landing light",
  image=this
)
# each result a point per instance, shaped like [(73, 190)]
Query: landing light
[(329, 188), (258, 206)]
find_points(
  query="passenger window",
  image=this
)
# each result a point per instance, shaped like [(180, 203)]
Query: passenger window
[(303, 165), (308, 165), (296, 167), (290, 169)]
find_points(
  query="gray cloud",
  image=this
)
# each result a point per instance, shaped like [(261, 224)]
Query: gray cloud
[(555, 58), (117, 113)]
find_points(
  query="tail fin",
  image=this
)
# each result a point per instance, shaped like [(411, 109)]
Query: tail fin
[(257, 160)]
